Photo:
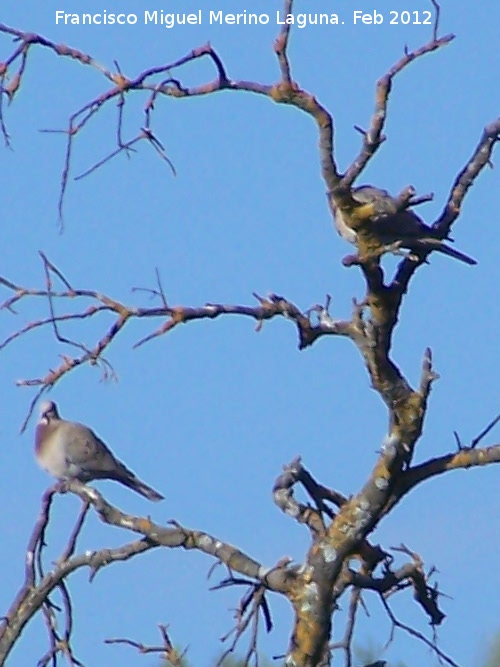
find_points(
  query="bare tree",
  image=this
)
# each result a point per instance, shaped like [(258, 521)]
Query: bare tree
[(341, 563)]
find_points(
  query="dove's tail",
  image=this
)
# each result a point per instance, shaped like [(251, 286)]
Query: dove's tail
[(145, 490), (127, 478), (451, 252)]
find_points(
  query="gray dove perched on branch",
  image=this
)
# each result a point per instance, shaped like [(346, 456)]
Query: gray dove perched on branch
[(72, 451), (390, 225)]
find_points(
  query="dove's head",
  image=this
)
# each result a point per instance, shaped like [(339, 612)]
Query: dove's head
[(48, 411)]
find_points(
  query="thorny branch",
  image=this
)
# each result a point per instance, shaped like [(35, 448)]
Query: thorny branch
[(415, 633), (368, 556), (267, 308), (391, 580), (247, 615), (286, 91), (167, 650), (346, 642), (39, 585)]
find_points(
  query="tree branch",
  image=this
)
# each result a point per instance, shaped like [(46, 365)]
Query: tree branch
[(36, 590)]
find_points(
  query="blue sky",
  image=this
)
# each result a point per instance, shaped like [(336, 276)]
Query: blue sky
[(210, 413)]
